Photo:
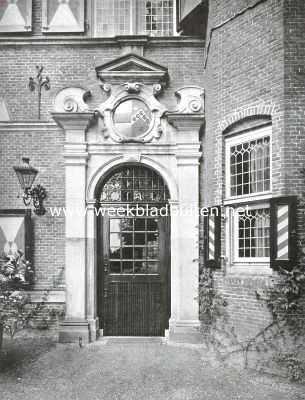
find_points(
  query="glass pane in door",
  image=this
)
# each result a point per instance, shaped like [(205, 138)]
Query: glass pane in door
[(134, 246)]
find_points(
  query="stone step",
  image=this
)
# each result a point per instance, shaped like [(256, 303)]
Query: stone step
[(131, 339)]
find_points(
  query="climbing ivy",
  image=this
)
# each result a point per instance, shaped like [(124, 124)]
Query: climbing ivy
[(282, 337)]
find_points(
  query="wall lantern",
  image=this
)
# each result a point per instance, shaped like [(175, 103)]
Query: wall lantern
[(26, 175)]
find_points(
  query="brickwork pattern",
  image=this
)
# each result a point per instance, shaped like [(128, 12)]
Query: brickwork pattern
[(244, 77), (68, 66), (45, 148)]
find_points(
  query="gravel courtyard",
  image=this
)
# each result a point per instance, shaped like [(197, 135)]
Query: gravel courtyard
[(44, 370)]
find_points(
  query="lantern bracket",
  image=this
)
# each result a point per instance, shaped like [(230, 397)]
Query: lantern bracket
[(26, 175)]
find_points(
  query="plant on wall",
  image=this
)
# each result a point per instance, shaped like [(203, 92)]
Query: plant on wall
[(281, 342)]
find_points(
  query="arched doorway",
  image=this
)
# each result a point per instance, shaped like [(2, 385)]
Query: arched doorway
[(133, 252)]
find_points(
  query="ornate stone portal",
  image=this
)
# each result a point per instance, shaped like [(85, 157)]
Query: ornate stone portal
[(131, 126)]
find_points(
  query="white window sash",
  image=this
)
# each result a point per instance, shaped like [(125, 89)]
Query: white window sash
[(235, 231), (135, 25), (239, 139)]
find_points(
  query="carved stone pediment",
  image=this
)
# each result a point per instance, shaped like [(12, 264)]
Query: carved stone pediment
[(131, 112), (132, 67)]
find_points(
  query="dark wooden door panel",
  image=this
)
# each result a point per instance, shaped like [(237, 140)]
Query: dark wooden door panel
[(133, 309), (134, 266)]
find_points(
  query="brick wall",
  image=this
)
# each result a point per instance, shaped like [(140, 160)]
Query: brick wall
[(244, 76), (44, 145), (294, 92)]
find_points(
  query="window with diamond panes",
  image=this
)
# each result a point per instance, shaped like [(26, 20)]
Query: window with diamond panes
[(130, 17), (135, 184), (254, 233), (134, 246), (250, 167)]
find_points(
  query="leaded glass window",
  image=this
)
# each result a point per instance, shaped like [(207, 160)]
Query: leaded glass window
[(254, 233), (130, 17), (134, 245), (135, 184), (248, 186), (157, 17), (112, 17), (250, 167)]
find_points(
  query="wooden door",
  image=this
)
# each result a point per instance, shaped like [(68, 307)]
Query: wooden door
[(135, 276)]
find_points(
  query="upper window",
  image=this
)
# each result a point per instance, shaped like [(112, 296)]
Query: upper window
[(131, 17), (15, 15), (248, 163)]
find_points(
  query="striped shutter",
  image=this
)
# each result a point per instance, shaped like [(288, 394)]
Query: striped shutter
[(212, 238), (283, 232), (15, 15), (63, 16)]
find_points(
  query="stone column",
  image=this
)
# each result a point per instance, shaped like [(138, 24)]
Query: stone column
[(75, 327), (184, 321)]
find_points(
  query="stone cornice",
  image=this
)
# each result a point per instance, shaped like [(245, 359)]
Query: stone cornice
[(50, 40), (27, 126), (78, 121), (185, 122)]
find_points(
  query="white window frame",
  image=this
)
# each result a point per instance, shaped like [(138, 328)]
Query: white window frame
[(239, 139), (133, 22), (236, 257), (240, 265), (258, 200)]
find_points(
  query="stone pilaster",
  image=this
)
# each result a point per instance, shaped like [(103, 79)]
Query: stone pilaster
[(75, 325), (184, 321)]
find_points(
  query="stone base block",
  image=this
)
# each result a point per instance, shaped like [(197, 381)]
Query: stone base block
[(185, 332), (74, 331)]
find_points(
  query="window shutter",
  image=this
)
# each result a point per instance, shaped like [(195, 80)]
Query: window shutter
[(212, 238), (186, 7), (28, 235), (15, 16), (283, 232), (62, 16)]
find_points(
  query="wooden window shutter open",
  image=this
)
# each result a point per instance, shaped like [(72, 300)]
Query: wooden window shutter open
[(283, 232), (28, 235), (15, 16), (186, 7), (63, 16), (212, 238)]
